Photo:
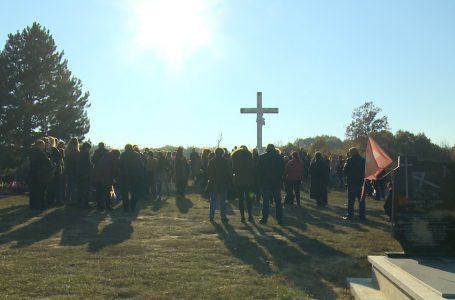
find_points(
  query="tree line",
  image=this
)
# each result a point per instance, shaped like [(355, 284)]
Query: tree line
[(39, 96)]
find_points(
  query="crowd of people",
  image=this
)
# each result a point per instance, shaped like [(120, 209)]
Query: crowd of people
[(72, 174)]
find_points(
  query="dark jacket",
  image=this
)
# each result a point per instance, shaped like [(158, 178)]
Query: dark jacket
[(354, 169), (99, 153), (70, 166), (243, 168), (219, 173), (106, 170), (56, 160), (319, 172), (163, 165), (131, 165), (84, 167), (41, 170), (182, 169), (271, 170)]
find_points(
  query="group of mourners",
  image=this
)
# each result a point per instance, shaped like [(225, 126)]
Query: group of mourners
[(68, 174)]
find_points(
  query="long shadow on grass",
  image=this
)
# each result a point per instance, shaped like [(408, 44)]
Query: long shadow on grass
[(118, 231), (183, 204), (159, 203), (322, 263), (243, 248), (322, 217), (51, 222), (15, 215), (302, 259)]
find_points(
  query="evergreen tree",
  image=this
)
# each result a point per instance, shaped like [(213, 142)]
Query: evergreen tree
[(38, 94)]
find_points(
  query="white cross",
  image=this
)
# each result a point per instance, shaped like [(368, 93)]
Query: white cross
[(259, 111)]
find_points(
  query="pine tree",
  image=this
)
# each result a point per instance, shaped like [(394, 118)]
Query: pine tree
[(38, 94)]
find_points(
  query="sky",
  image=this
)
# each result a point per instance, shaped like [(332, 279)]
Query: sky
[(177, 72)]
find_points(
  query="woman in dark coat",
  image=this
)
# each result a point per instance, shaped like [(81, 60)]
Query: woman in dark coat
[(39, 176), (84, 174), (244, 180), (319, 172), (54, 196), (182, 172), (70, 170)]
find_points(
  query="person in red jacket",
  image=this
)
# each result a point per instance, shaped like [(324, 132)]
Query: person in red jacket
[(294, 175)]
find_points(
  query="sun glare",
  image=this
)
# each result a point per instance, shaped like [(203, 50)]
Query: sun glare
[(173, 29)]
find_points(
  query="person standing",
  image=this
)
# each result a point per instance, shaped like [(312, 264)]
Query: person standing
[(152, 166), (70, 170), (319, 172), (53, 196), (354, 170), (294, 175), (195, 161), (104, 173), (182, 172), (244, 177), (99, 153), (131, 167), (84, 171), (219, 172), (39, 175), (162, 171), (271, 172), (257, 185)]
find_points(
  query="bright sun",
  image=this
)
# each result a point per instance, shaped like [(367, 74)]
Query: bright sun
[(174, 29)]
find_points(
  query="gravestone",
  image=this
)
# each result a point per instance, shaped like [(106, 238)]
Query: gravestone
[(423, 209)]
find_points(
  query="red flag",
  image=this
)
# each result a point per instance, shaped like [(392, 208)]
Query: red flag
[(376, 160)]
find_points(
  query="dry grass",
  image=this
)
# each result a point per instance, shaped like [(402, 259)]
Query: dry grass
[(169, 250)]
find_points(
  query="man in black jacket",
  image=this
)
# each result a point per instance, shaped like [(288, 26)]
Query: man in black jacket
[(39, 175), (131, 170), (354, 170), (219, 172), (271, 172)]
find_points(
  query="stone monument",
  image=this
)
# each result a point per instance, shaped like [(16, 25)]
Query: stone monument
[(423, 221)]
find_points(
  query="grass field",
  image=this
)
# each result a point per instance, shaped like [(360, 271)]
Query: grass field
[(170, 250)]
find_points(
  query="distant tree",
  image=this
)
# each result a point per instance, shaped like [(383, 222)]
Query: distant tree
[(323, 143), (304, 143), (289, 148), (38, 94), (366, 120), (420, 146)]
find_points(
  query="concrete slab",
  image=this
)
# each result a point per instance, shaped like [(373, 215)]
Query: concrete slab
[(398, 280), (438, 273), (364, 289)]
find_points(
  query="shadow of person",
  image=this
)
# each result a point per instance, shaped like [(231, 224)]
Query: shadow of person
[(82, 228), (243, 248), (158, 203), (183, 204), (118, 231), (50, 223), (317, 264), (15, 215)]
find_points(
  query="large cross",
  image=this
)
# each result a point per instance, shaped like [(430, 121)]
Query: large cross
[(259, 111)]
